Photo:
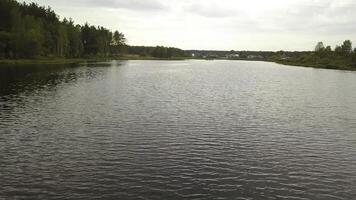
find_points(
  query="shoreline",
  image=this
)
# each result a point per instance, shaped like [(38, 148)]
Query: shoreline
[(69, 61), (316, 66), (63, 61)]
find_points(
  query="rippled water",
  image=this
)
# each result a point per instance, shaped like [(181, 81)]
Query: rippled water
[(177, 130)]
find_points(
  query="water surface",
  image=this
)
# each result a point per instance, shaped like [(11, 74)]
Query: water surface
[(177, 130)]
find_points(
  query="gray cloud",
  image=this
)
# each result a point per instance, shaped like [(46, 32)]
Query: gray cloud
[(209, 9), (318, 17), (135, 5)]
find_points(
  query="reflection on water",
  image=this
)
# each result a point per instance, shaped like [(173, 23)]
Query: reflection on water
[(177, 130)]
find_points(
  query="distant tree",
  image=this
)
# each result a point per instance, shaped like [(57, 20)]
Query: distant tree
[(17, 33), (328, 49), (33, 37), (5, 38), (319, 47), (74, 38), (338, 50), (119, 38), (159, 52), (62, 40), (90, 40), (118, 43), (164, 52), (354, 57), (346, 47)]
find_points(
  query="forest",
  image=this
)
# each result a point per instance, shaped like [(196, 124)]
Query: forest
[(33, 31)]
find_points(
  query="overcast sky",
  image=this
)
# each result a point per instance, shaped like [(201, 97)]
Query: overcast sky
[(219, 24)]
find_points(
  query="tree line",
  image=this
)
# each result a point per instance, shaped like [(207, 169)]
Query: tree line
[(343, 56), (33, 31), (30, 31), (344, 51), (158, 51)]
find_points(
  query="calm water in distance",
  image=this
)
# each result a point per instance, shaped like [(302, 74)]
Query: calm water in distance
[(177, 130)]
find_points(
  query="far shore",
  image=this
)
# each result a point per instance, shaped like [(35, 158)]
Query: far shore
[(316, 65), (69, 61), (61, 61)]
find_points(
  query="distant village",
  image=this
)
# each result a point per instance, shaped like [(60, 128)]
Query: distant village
[(241, 55), (233, 55)]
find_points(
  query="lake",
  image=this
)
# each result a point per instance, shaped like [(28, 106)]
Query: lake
[(177, 130)]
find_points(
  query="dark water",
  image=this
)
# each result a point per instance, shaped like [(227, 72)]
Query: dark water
[(177, 130)]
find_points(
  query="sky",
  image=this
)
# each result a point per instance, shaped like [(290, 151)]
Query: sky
[(219, 24)]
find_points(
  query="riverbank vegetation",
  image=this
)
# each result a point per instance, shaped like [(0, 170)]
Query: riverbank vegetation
[(60, 61), (341, 57), (30, 31)]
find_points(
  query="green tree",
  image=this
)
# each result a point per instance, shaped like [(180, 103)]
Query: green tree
[(118, 43), (160, 52), (346, 47), (338, 50), (75, 48), (328, 49), (33, 37), (5, 38), (119, 38), (354, 57), (6, 9), (17, 33), (319, 47), (62, 40)]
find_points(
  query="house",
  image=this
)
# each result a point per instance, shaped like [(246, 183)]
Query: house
[(236, 55), (254, 57)]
